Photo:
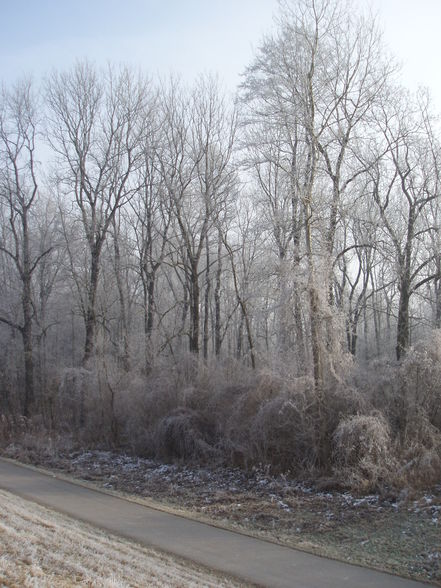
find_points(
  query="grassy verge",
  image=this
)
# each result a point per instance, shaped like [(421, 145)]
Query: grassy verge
[(39, 547)]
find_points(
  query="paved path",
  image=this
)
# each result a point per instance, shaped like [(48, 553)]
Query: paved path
[(255, 561)]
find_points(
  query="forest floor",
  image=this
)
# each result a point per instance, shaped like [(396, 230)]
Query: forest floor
[(402, 536), (40, 547)]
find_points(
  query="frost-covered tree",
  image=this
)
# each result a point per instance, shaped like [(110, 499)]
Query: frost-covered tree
[(19, 198)]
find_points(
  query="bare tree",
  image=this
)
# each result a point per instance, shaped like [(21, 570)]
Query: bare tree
[(151, 223), (97, 128), (19, 193), (310, 94), (242, 249), (199, 134), (404, 184)]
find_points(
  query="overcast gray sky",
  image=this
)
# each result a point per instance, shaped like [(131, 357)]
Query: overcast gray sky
[(189, 36), (412, 31)]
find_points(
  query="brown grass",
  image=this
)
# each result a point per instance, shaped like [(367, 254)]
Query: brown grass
[(39, 547)]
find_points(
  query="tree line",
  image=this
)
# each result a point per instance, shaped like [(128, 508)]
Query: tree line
[(290, 227)]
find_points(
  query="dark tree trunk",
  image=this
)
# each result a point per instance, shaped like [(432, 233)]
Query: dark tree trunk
[(125, 355), (315, 338), (150, 305), (217, 301), (26, 331), (438, 294), (148, 283), (239, 339), (194, 312), (90, 319), (403, 327), (351, 334), (206, 335)]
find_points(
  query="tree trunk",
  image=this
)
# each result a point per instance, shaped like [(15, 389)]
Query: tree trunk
[(438, 294), (217, 301), (28, 358), (26, 330), (90, 319), (125, 355), (403, 327), (351, 333), (313, 309), (149, 302), (282, 314), (194, 311), (300, 336), (206, 334), (239, 338)]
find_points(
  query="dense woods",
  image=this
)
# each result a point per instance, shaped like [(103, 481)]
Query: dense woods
[(252, 279)]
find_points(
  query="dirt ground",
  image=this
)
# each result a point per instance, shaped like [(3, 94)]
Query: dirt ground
[(401, 535)]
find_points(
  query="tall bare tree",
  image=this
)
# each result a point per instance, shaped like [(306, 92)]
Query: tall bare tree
[(200, 134), (19, 194), (404, 184), (97, 128)]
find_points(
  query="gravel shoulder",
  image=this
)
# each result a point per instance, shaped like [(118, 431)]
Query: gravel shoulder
[(400, 536)]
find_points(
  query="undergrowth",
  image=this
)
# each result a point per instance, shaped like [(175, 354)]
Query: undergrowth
[(378, 427)]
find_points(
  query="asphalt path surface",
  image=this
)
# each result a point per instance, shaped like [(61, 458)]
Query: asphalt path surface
[(255, 561)]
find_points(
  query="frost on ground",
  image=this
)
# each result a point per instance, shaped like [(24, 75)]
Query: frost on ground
[(401, 535), (44, 549)]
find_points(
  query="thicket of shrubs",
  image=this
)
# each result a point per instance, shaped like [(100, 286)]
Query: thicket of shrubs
[(379, 426)]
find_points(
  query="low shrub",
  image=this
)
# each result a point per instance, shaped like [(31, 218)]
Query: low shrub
[(363, 454), (282, 434), (11, 428), (184, 434)]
